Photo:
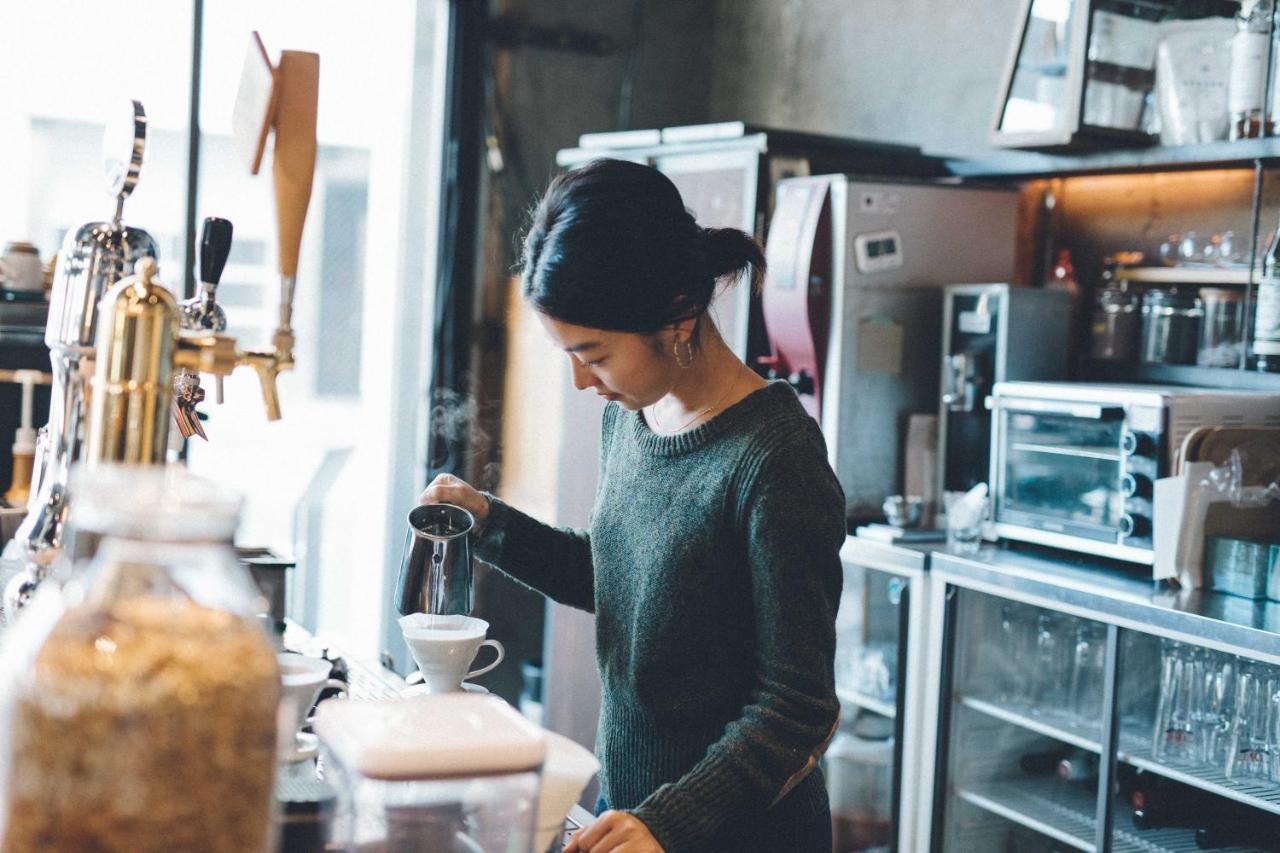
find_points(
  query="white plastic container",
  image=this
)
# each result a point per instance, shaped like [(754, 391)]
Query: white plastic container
[(444, 773)]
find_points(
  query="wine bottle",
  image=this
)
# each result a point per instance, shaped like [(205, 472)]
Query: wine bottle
[(1045, 763), (1266, 314)]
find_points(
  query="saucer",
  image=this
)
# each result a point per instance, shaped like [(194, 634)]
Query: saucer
[(305, 747), (421, 689)]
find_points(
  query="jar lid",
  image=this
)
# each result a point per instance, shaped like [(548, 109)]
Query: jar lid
[(1221, 294), (20, 247), (154, 503), (440, 736), (1171, 297)]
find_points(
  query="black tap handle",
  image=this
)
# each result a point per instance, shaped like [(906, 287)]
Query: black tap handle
[(215, 245)]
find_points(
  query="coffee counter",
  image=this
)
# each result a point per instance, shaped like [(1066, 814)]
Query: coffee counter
[(956, 647)]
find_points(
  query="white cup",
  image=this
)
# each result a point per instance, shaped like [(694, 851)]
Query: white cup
[(301, 679), (443, 647)]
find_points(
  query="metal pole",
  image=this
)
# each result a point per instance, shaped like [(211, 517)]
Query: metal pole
[(1110, 740), (458, 235), (193, 148), (942, 770), (1259, 175)]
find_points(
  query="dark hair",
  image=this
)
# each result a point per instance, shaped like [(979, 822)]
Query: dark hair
[(611, 246)]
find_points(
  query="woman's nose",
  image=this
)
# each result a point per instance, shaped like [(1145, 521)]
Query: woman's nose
[(582, 377)]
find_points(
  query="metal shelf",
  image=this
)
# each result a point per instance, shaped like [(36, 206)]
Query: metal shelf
[(853, 699), (1056, 726), (1135, 749), (1158, 158), (1221, 378), (1065, 812), (1184, 275), (1172, 840), (1061, 811)]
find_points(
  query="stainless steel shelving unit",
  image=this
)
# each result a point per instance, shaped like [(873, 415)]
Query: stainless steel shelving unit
[(1073, 814)]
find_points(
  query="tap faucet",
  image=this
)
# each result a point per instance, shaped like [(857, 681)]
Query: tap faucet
[(202, 313)]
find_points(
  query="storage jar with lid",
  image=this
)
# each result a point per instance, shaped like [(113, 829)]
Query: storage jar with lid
[(440, 773), (1116, 326), (138, 704), (1222, 332), (1171, 326)]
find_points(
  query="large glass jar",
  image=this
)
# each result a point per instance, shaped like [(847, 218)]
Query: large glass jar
[(1116, 325), (138, 706), (1171, 327)]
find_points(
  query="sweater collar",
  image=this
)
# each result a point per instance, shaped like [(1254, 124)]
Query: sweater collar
[(744, 412)]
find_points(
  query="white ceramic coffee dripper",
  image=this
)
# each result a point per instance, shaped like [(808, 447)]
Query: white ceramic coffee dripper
[(301, 679), (443, 647)]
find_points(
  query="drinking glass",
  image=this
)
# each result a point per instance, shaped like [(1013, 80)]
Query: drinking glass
[(1087, 656), (1017, 638), (1174, 734), (965, 524), (1250, 749), (1214, 711), (1054, 636)]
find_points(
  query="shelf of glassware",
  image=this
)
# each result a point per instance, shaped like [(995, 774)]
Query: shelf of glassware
[(1047, 806), (1065, 812), (1055, 724), (1135, 749)]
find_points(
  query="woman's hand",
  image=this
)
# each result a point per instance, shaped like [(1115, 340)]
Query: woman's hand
[(613, 831), (448, 489)]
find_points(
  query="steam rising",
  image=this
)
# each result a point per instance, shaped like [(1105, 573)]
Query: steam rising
[(458, 418)]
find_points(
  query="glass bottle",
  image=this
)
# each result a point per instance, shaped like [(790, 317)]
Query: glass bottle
[(1245, 89), (1266, 316), (140, 701)]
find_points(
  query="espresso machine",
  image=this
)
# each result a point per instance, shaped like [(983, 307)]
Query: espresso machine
[(991, 333), (852, 304), (127, 356), (93, 258)]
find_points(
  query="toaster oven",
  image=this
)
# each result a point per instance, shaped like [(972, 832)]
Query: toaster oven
[(1074, 465)]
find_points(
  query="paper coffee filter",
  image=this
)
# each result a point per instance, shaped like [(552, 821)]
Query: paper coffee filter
[(431, 627)]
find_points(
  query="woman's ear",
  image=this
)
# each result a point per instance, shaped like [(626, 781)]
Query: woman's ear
[(683, 330)]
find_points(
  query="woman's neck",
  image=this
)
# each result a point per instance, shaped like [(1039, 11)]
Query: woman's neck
[(716, 380)]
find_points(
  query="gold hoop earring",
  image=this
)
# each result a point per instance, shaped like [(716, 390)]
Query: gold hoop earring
[(687, 361)]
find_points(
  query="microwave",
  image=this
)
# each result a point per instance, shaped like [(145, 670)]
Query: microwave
[(1074, 465)]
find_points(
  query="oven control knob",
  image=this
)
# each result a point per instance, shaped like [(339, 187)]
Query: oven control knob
[(1136, 486), (1134, 525), (1136, 444)]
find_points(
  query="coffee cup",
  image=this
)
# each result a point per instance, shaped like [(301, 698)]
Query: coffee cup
[(301, 679), (444, 647)]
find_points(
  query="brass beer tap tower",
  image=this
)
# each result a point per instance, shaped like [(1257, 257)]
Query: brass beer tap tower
[(142, 338), (141, 342)]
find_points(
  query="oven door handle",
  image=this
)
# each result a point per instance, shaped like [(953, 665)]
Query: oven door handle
[(1090, 411)]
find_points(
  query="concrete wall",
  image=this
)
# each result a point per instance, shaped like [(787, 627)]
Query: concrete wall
[(912, 71)]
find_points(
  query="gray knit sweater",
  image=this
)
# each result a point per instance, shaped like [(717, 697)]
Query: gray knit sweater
[(712, 565)]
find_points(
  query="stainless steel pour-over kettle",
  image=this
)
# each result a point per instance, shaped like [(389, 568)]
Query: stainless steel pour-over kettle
[(435, 573)]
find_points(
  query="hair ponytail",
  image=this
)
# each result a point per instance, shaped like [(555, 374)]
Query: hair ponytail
[(611, 246), (729, 254)]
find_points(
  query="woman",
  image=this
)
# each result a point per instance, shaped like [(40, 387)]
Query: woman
[(712, 560)]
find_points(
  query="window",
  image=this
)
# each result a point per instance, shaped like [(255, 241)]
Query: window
[(332, 481)]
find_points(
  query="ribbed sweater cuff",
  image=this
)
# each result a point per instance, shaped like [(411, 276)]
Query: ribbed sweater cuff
[(685, 817), (492, 538)]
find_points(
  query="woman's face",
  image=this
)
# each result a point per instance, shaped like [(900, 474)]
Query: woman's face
[(635, 370)]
